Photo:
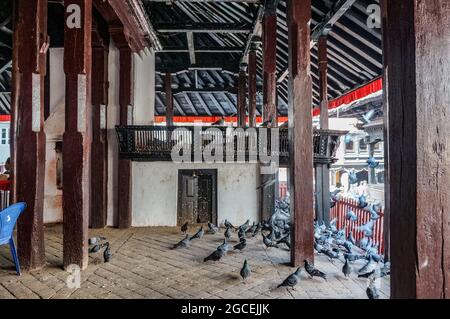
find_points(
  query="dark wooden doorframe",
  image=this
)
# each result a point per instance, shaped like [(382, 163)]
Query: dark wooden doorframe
[(198, 172)]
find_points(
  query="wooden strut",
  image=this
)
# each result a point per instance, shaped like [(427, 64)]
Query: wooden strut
[(300, 132), (252, 88), (77, 135), (29, 144)]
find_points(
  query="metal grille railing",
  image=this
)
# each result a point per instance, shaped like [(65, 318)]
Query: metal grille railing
[(4, 199)]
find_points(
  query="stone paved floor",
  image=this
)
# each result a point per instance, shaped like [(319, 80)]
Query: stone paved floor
[(144, 266)]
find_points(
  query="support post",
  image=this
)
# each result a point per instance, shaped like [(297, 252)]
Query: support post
[(372, 179), (99, 147), (322, 171), (77, 134), (252, 88), (269, 67), (169, 99), (418, 60), (300, 132), (241, 99), (29, 161)]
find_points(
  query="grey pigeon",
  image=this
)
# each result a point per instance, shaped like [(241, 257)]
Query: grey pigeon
[(331, 254), (351, 215), (245, 271), (292, 279), (227, 224), (245, 226), (372, 291), (241, 245), (219, 122), (368, 266), (367, 275), (215, 255), (184, 227), (224, 246), (312, 271), (285, 240), (212, 229), (252, 229), (352, 257), (372, 163), (184, 243), (107, 254), (385, 270), (257, 229), (199, 234), (228, 233), (241, 234), (95, 240), (268, 242), (95, 248), (346, 269), (362, 203)]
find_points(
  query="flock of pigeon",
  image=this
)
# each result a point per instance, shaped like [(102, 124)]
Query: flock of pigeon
[(329, 241), (98, 243)]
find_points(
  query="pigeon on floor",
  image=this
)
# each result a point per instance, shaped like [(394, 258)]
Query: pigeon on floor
[(245, 226), (362, 202), (372, 291), (245, 271), (215, 255), (212, 229), (241, 234), (312, 271), (184, 227), (367, 267), (228, 233), (199, 234), (224, 246), (285, 240), (268, 243), (242, 244), (367, 274), (107, 254), (385, 270), (353, 257), (95, 240), (351, 215), (292, 279), (331, 254), (252, 229), (184, 243), (258, 229), (95, 248), (227, 224), (346, 269)]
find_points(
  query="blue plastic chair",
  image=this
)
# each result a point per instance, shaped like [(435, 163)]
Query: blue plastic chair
[(8, 219)]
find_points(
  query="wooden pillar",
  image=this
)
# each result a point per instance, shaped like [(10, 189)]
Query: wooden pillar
[(252, 87), (31, 29), (77, 134), (125, 100), (241, 99), (270, 67), (99, 147), (322, 171), (418, 60), (300, 132), (169, 99)]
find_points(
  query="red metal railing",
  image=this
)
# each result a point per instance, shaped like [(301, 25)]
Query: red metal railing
[(282, 190), (339, 211)]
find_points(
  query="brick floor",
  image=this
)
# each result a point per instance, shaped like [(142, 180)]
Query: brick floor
[(144, 266)]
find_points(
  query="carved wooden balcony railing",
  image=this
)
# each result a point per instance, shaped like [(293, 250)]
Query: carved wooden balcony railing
[(155, 143)]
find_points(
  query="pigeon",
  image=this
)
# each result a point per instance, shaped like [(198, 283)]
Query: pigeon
[(332, 203), (107, 254), (352, 178), (385, 270), (95, 248), (346, 269), (241, 245), (367, 118), (215, 255), (227, 224), (244, 226), (257, 230), (285, 240), (199, 234), (373, 213), (352, 257), (228, 233), (241, 234), (313, 272), (268, 242), (362, 203), (245, 271), (95, 240), (224, 246), (367, 228), (292, 279), (212, 229), (331, 254), (184, 243), (372, 291), (351, 238), (367, 274), (367, 267), (219, 122), (319, 248), (372, 163), (351, 215), (184, 227), (252, 229)]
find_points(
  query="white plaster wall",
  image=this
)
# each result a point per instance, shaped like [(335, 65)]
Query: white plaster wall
[(112, 121), (155, 192), (54, 129), (144, 88)]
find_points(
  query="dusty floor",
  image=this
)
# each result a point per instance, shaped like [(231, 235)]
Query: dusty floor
[(144, 266)]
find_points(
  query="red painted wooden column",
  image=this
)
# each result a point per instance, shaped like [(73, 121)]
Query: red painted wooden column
[(270, 67), (99, 147), (323, 81), (125, 101), (169, 99), (300, 132), (252, 87), (30, 137), (241, 99), (418, 61), (77, 135)]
